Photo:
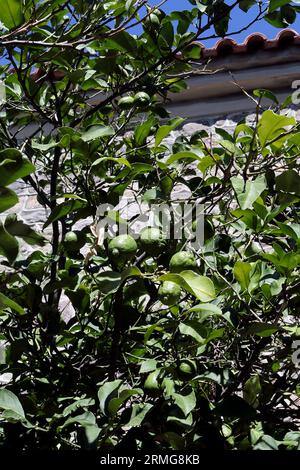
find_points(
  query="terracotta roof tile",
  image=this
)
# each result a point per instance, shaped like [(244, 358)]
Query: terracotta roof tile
[(252, 43)]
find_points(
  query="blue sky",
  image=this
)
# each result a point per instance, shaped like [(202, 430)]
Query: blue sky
[(238, 20)]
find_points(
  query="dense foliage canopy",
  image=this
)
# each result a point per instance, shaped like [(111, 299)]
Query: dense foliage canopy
[(192, 353)]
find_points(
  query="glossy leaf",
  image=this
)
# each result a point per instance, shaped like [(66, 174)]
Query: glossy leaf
[(8, 199), (6, 302), (11, 13), (13, 166), (9, 246), (200, 286), (17, 228), (247, 192), (272, 125), (9, 402)]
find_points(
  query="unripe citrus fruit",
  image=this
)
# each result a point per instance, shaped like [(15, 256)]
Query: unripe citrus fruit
[(142, 99), (74, 240), (126, 102), (187, 369), (152, 240), (169, 293), (152, 20), (151, 382), (181, 261), (122, 248)]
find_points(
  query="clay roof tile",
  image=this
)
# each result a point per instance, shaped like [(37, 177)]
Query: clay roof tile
[(252, 43)]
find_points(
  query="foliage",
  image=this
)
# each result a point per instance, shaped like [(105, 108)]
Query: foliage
[(214, 370)]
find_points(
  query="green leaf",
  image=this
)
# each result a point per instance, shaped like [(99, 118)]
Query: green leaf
[(8, 199), (138, 414), (10, 402), (192, 51), (97, 132), (191, 329), (106, 392), (199, 286), (132, 271), (150, 195), (148, 366), (119, 161), (256, 432), (274, 4), (64, 209), (115, 403), (11, 13), (261, 93), (262, 329), (108, 281), (9, 246), (163, 131), (122, 42), (252, 389), (143, 130), (245, 5), (248, 193), (85, 419), (185, 402), (209, 309), (241, 272), (92, 432), (205, 163), (186, 155), (17, 228), (44, 147), (289, 182), (81, 403), (292, 438), (7, 302), (271, 125), (13, 165), (266, 443), (221, 24), (176, 441)]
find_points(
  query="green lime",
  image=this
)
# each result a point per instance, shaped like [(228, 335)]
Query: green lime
[(187, 369), (152, 241), (169, 293), (122, 248), (74, 240), (152, 20), (159, 13), (142, 99), (181, 261), (126, 102), (151, 382)]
